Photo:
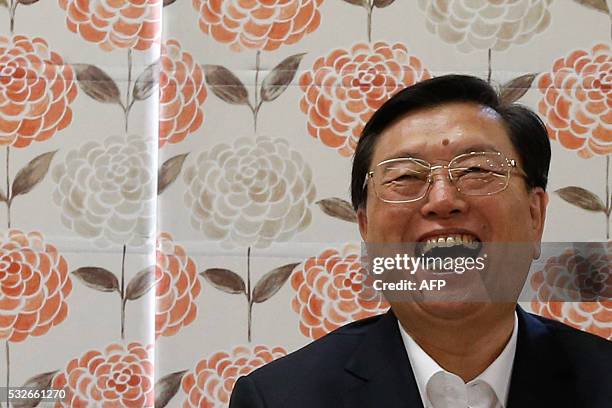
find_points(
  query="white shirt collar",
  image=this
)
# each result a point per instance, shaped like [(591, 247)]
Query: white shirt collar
[(497, 375)]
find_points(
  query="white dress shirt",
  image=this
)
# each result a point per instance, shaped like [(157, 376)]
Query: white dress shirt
[(442, 389)]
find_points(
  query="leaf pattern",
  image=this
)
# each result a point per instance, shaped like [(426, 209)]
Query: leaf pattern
[(141, 283), (361, 3), (38, 382), (146, 82), (383, 3), (280, 77), (516, 88), (166, 387), (99, 279), (271, 282), (582, 198), (226, 85), (599, 5), (32, 174), (97, 84), (169, 171), (338, 208), (225, 280)]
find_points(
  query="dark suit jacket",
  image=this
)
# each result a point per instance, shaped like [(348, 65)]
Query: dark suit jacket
[(365, 365)]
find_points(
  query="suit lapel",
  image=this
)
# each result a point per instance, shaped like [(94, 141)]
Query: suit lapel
[(379, 373), (539, 378)]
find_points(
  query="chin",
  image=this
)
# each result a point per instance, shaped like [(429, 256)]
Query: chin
[(450, 310), (438, 310)]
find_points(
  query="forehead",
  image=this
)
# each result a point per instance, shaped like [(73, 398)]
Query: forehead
[(442, 132)]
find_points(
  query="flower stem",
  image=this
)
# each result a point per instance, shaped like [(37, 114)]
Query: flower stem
[(257, 102), (9, 199), (122, 293), (249, 295), (608, 198), (8, 370), (12, 9), (370, 9), (490, 69), (128, 104)]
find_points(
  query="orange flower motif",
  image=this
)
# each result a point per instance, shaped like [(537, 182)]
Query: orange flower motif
[(115, 24), (181, 94), (176, 289), (36, 90), (577, 275), (211, 383), (258, 24), (119, 376), (344, 88), (333, 289), (34, 285), (577, 101)]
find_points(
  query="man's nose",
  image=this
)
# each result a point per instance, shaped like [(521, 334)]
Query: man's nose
[(443, 199)]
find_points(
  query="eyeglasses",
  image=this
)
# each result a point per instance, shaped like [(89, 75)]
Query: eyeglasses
[(406, 179)]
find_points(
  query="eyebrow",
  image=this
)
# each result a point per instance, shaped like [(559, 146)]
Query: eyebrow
[(479, 147)]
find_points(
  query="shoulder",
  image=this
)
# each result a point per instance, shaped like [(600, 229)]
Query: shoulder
[(582, 360), (334, 349), (313, 370), (576, 347), (571, 336)]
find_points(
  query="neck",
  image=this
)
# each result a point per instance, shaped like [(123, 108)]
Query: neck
[(464, 345)]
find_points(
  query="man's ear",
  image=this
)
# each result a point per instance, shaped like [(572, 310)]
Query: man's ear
[(538, 202), (362, 219)]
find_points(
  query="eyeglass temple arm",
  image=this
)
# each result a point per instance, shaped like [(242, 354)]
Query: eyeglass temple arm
[(368, 175), (515, 166)]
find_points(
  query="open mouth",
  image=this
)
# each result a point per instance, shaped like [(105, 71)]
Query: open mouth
[(449, 246)]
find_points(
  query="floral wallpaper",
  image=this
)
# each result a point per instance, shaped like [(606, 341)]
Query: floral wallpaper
[(174, 175)]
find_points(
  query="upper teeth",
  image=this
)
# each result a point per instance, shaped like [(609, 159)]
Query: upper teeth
[(466, 240)]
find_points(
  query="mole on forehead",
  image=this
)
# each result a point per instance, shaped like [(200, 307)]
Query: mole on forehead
[(445, 142)]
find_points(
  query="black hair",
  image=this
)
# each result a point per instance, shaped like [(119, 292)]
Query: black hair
[(526, 130)]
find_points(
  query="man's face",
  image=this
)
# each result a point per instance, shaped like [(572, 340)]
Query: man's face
[(437, 135)]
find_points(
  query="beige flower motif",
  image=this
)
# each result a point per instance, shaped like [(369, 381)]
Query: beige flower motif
[(250, 193), (484, 24), (333, 289), (106, 190), (211, 383)]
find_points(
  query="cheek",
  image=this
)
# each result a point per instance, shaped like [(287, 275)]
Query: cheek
[(389, 222), (514, 221)]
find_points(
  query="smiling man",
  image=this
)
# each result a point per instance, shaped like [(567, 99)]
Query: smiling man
[(442, 167)]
